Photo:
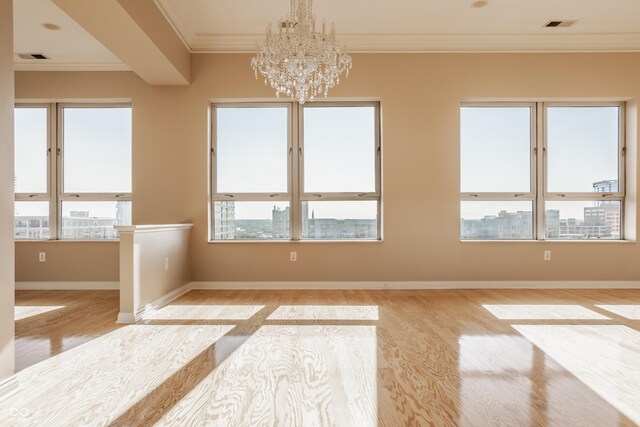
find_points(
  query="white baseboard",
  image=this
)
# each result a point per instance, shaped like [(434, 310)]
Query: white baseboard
[(126, 318), (67, 286), (8, 387), (148, 309), (417, 285)]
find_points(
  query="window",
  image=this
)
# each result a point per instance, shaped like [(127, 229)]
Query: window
[(296, 172), (547, 171), (72, 171)]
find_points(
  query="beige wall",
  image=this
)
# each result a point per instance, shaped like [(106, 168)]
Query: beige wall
[(98, 261), (420, 109), (6, 191)]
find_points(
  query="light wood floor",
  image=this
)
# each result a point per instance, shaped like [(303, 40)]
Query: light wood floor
[(50, 322), (343, 358)]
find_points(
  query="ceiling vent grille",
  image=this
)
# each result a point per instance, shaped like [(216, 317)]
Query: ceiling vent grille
[(32, 56), (560, 24)]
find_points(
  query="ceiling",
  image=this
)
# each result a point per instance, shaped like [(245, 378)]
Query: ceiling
[(363, 25), (419, 25), (70, 47)]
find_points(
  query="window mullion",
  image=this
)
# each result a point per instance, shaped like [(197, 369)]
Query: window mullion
[(541, 170), (295, 160), (55, 133)]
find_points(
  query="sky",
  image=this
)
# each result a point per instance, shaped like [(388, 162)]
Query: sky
[(252, 156), (252, 151), (97, 155), (582, 148)]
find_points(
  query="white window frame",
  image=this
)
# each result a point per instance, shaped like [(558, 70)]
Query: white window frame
[(55, 167), (295, 173), (539, 194)]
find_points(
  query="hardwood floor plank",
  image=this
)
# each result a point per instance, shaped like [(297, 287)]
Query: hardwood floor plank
[(331, 358)]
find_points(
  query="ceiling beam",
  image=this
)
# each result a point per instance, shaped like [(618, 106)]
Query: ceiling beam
[(136, 32)]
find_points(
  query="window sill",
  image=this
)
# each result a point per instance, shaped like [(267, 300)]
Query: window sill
[(215, 242), (65, 241), (549, 241)]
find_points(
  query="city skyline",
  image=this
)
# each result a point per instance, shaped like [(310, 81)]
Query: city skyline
[(77, 223), (597, 219)]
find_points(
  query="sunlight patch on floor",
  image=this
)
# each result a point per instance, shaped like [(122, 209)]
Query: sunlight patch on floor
[(205, 312), (289, 375), (542, 312), (495, 353), (325, 312), (24, 311), (96, 382), (631, 312), (604, 357)]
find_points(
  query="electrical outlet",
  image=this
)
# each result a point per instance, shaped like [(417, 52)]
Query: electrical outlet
[(547, 255), (42, 257), (293, 256), (166, 264)]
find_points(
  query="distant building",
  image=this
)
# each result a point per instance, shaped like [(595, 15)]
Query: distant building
[(123, 213), (610, 208), (281, 220), (573, 228), (552, 219), (605, 215), (506, 225), (79, 225), (31, 227), (224, 220), (600, 221), (607, 186), (331, 228)]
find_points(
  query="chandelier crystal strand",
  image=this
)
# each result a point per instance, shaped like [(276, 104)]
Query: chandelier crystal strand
[(298, 61)]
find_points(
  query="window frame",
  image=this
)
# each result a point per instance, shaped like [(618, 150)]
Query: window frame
[(50, 173), (529, 196), (619, 196), (539, 194), (55, 168), (295, 174)]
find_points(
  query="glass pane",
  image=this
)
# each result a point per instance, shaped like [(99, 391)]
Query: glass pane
[(339, 149), (252, 150), (340, 220), (495, 144), (94, 220), (583, 220), (251, 220), (97, 150), (31, 220), (582, 147), (31, 144), (496, 220)]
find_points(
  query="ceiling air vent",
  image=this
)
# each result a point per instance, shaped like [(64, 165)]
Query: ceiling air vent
[(32, 56), (562, 24)]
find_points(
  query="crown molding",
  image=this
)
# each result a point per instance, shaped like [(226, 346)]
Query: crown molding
[(408, 43), (200, 43), (179, 21), (52, 66)]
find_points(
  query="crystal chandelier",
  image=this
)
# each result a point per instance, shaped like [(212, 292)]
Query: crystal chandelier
[(299, 61)]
